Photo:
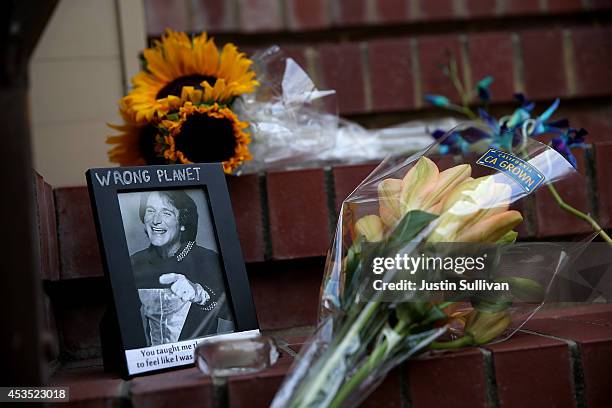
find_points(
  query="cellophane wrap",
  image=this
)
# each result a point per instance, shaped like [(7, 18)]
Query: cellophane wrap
[(427, 205), (294, 124)]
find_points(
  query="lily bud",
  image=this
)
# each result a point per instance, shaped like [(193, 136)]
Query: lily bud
[(447, 181), (417, 184), (388, 199), (486, 326), (371, 227), (491, 229)]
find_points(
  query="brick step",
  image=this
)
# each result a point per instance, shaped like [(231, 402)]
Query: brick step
[(300, 204), (561, 358)]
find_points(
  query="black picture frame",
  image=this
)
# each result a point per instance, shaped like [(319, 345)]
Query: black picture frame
[(105, 185)]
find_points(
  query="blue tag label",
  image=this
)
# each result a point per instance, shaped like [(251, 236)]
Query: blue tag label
[(527, 176)]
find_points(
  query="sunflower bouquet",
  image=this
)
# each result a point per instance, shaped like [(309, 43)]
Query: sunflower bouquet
[(193, 102), (382, 302), (180, 107)]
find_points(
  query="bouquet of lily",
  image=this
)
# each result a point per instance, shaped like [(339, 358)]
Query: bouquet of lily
[(415, 208)]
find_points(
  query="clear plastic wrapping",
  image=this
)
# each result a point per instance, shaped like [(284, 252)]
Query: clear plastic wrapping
[(294, 124), (411, 230)]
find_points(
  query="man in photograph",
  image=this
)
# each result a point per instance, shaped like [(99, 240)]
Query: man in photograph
[(180, 283)]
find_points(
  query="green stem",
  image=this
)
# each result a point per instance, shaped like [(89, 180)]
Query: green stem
[(463, 109), (470, 113), (565, 206), (463, 95), (579, 214), (454, 77), (369, 366), (332, 361), (466, 340), (444, 305)]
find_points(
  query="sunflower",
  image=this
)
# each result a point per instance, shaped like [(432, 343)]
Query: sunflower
[(204, 133), (177, 61), (134, 146)]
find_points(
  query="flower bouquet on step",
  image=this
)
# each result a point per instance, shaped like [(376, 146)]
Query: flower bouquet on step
[(180, 107), (424, 259), (193, 102)]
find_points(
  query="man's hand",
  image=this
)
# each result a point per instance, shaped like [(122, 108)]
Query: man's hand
[(181, 286)]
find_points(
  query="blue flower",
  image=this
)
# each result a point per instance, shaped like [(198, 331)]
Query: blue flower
[(438, 100), (447, 145), (489, 120), (560, 146), (483, 89), (458, 142), (524, 102), (577, 136), (474, 135), (509, 131), (569, 139), (540, 122)]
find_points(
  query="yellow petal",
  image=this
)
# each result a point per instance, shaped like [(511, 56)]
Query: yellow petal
[(186, 91), (418, 183), (459, 193), (388, 199), (491, 228), (486, 326), (447, 181), (371, 227)]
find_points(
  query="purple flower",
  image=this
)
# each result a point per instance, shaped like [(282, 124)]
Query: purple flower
[(447, 145), (474, 135), (459, 142), (489, 120), (569, 139), (508, 132), (561, 147)]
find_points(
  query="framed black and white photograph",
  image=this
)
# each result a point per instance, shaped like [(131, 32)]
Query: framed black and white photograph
[(172, 257)]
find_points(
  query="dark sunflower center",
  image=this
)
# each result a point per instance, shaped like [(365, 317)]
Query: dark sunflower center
[(175, 87), (146, 143), (204, 139)]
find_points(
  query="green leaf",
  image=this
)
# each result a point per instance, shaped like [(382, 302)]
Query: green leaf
[(524, 289), (353, 256), (411, 312), (433, 315), (420, 314), (415, 343), (410, 225), (508, 238), (173, 116), (392, 337), (488, 302)]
